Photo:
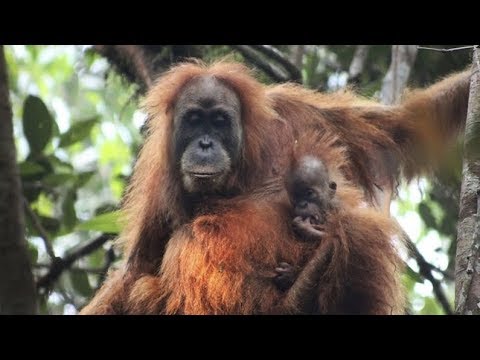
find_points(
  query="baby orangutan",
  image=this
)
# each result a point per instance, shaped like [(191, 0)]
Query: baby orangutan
[(311, 193), (221, 263)]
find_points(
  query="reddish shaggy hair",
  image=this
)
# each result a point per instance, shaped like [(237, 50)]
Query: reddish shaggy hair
[(223, 262), (249, 236), (154, 195)]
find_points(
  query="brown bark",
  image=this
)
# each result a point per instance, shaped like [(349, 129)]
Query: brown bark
[(467, 267), (17, 290)]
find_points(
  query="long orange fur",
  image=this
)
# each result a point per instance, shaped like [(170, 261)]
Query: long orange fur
[(381, 143)]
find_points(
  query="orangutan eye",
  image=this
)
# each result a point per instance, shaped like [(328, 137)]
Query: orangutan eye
[(220, 119), (193, 118), (333, 185), (310, 193)]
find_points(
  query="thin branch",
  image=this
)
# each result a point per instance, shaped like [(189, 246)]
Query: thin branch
[(471, 47), (271, 70), (109, 260), (358, 62), (68, 299), (425, 270), (446, 274), (75, 269), (41, 230), (62, 264), (278, 56)]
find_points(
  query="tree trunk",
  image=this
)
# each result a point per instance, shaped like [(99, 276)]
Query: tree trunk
[(467, 267), (17, 290), (403, 58), (394, 83), (358, 63), (297, 56)]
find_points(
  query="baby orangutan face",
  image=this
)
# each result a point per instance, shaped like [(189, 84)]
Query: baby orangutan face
[(311, 192)]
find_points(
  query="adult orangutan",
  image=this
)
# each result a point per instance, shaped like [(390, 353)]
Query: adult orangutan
[(223, 261), (215, 133)]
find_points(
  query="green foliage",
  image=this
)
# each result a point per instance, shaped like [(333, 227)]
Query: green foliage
[(33, 252), (413, 275), (68, 209), (107, 223), (37, 124), (67, 108), (80, 283), (77, 132), (28, 169)]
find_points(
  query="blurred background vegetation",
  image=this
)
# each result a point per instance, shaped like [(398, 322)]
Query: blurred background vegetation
[(77, 127)]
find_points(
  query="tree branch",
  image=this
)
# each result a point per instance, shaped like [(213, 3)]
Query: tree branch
[(96, 271), (257, 60), (41, 230), (275, 54), (68, 299), (425, 270), (61, 264), (17, 290), (109, 260)]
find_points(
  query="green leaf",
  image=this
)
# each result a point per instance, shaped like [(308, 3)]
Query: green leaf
[(80, 282), (105, 208), (55, 130), (84, 177), (33, 253), (50, 224), (413, 275), (107, 223), (96, 258), (431, 307), (28, 168), (68, 208), (77, 132), (37, 124), (59, 164), (58, 179)]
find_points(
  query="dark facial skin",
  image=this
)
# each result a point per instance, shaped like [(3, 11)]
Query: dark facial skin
[(207, 134), (311, 193)]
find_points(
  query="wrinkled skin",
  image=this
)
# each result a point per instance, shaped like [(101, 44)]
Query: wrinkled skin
[(207, 134)]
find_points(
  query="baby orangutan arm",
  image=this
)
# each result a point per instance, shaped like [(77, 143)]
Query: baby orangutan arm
[(302, 295)]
